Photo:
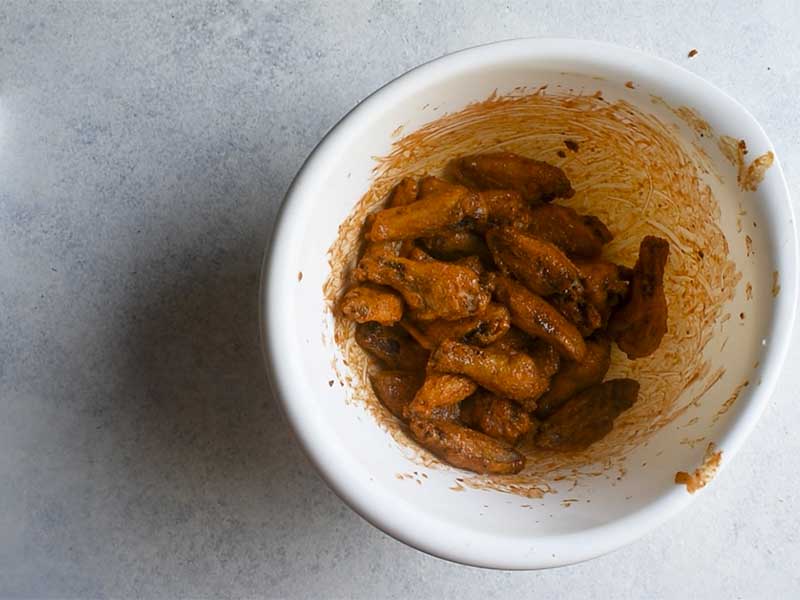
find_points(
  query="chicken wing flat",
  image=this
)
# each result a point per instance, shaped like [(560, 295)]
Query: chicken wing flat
[(396, 389), (588, 416), (452, 245), (404, 193), (432, 289), (536, 317), (435, 211), (497, 417), (575, 234), (537, 181), (439, 390), (540, 265), (574, 377), (364, 303), (392, 346), (481, 330), (515, 376), (639, 325), (465, 448)]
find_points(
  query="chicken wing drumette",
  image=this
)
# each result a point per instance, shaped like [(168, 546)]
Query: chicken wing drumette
[(639, 325)]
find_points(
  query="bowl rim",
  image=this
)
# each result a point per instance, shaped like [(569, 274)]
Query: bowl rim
[(445, 540)]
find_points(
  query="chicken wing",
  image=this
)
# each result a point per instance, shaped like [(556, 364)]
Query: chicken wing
[(452, 245), (465, 448), (432, 289), (481, 330), (377, 249), (537, 181), (435, 211), (540, 265), (547, 360), (639, 325), (392, 346), (471, 262), (577, 235), (417, 253), (514, 340), (605, 285), (588, 416), (404, 193), (577, 311), (574, 377), (546, 357), (364, 303), (396, 389), (501, 207), (497, 417), (515, 376), (536, 317), (430, 185), (440, 390)]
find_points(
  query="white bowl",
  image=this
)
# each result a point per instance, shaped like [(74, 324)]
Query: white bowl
[(361, 461)]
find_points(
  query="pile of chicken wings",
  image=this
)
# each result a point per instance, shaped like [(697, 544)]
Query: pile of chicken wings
[(490, 312)]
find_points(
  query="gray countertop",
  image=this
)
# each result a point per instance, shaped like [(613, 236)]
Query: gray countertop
[(144, 151)]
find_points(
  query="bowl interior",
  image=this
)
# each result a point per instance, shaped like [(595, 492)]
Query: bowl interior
[(578, 518)]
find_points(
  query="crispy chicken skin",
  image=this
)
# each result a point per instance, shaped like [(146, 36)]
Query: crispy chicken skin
[(471, 262), (639, 325), (535, 180), (417, 253), (378, 249), (501, 207), (605, 285), (481, 330), (536, 317), (514, 375), (392, 346), (547, 360), (455, 244), (540, 265), (432, 289), (429, 185), (588, 416), (514, 340), (396, 389), (577, 311), (546, 356), (439, 390), (438, 210), (466, 448), (577, 235), (573, 377), (404, 193), (364, 303), (497, 417)]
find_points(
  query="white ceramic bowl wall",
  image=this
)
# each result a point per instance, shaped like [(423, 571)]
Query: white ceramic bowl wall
[(360, 461)]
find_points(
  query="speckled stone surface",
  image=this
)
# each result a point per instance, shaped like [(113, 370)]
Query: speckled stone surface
[(144, 150)]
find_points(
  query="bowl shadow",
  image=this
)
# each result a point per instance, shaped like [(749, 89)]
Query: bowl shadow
[(206, 464)]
